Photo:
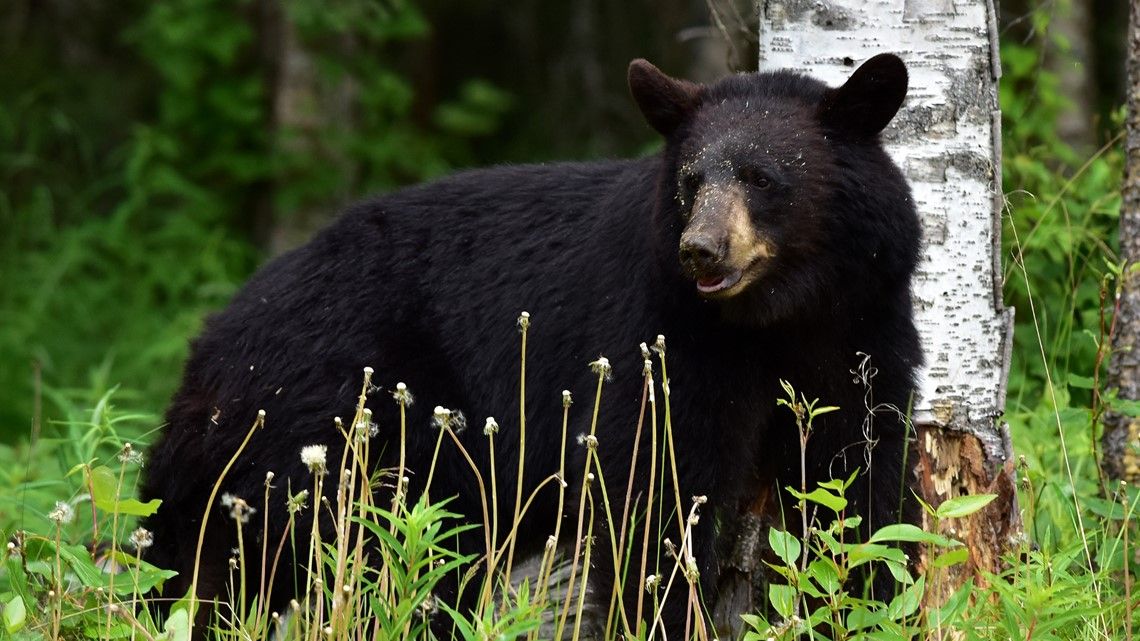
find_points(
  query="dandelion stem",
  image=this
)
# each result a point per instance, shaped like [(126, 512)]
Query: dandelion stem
[(258, 423)]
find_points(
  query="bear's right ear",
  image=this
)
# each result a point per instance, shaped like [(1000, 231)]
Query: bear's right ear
[(869, 98), (665, 102)]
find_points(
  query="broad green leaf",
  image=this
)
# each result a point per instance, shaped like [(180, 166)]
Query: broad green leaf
[(140, 575), (786, 546), (15, 614), (825, 575), (177, 627), (105, 493), (822, 497), (911, 534), (860, 617), (960, 506), (953, 557), (906, 604), (782, 598), (1080, 382)]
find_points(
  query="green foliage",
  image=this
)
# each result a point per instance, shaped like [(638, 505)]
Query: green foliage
[(131, 213), (1060, 237)]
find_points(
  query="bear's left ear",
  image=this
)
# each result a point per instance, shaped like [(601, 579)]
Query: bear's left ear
[(664, 101), (869, 98)]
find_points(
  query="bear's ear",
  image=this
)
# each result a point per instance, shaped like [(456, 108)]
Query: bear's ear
[(869, 98), (665, 102)]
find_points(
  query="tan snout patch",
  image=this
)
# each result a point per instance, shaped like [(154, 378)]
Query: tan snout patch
[(722, 212)]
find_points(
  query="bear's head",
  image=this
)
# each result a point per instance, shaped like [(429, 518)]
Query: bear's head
[(777, 191)]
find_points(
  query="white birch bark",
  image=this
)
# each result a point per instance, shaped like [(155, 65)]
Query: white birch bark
[(946, 139)]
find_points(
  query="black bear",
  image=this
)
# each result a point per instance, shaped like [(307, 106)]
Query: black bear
[(772, 238)]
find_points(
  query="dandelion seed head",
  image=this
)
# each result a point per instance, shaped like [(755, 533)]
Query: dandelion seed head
[(524, 321), (269, 476), (644, 350), (261, 414), (602, 367), (566, 400), (240, 511), (551, 542), (142, 539), (591, 442), (491, 426), (402, 395), (314, 457), (129, 456), (443, 418), (62, 513), (659, 344), (651, 582)]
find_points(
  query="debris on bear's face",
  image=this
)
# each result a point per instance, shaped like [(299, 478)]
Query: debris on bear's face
[(743, 189)]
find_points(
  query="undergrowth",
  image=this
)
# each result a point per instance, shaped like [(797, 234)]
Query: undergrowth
[(72, 568)]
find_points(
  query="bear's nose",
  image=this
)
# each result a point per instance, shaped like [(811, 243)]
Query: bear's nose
[(700, 253)]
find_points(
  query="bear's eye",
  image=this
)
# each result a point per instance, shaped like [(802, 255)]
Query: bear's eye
[(755, 177), (690, 183)]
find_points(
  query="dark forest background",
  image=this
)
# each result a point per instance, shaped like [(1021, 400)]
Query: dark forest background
[(152, 154)]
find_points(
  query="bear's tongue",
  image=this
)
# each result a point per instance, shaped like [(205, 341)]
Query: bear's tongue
[(710, 284), (713, 284)]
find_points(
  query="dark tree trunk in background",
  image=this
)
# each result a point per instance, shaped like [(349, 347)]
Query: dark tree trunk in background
[(1121, 459), (1075, 73)]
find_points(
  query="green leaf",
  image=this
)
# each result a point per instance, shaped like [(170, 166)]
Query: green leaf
[(177, 627), (786, 546), (105, 493), (953, 557), (821, 496), (906, 604), (15, 614), (1080, 382), (860, 617), (825, 575), (953, 607), (141, 576), (906, 532), (782, 598), (960, 506)]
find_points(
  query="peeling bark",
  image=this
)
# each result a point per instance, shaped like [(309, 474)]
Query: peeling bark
[(1121, 440), (953, 464)]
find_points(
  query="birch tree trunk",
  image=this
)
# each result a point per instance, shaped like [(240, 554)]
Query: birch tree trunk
[(1122, 433), (947, 140)]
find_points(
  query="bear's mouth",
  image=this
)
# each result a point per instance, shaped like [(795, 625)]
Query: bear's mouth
[(716, 284)]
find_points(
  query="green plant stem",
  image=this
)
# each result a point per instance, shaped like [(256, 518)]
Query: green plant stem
[(192, 612)]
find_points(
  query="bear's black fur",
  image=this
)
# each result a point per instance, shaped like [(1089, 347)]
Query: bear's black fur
[(797, 228)]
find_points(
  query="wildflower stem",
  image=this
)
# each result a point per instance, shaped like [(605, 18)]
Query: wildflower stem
[(258, 423), (524, 324)]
